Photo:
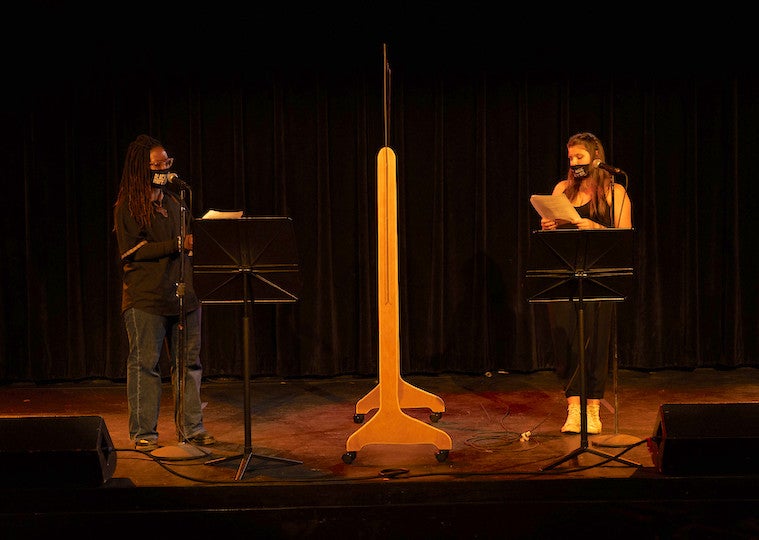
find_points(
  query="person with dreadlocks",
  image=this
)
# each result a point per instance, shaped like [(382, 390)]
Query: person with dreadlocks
[(154, 253), (591, 190)]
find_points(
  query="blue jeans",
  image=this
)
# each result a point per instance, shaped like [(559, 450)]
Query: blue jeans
[(146, 334)]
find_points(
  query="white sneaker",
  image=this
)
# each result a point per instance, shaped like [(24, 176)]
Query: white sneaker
[(594, 419), (572, 425)]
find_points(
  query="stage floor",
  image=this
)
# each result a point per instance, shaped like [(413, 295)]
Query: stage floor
[(508, 470)]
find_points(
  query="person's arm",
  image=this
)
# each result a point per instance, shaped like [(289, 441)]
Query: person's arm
[(622, 208), (133, 245), (151, 251)]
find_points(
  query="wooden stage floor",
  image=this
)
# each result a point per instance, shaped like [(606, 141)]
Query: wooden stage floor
[(509, 472)]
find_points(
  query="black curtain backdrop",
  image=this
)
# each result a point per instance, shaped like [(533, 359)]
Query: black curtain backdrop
[(290, 125)]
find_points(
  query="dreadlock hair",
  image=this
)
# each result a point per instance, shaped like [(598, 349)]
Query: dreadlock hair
[(598, 179), (135, 188)]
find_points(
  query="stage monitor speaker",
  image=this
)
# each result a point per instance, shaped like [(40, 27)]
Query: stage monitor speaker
[(706, 439), (42, 451)]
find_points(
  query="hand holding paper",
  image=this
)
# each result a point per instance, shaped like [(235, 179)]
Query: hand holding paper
[(556, 207)]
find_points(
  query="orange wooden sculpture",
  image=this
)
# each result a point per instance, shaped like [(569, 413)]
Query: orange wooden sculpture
[(390, 425)]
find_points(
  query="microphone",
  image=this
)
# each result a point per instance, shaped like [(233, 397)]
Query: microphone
[(597, 163), (174, 179)]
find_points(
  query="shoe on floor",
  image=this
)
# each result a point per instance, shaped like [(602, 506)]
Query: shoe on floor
[(202, 439), (572, 425), (145, 445), (594, 419)]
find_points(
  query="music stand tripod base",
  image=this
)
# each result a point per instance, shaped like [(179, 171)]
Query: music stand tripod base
[(245, 461), (618, 440)]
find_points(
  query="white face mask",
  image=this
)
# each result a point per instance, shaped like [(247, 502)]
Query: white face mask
[(160, 178)]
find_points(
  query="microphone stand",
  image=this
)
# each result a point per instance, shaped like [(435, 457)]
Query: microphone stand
[(617, 440), (183, 450)]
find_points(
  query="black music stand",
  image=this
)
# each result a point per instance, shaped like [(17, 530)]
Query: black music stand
[(569, 265), (245, 261)]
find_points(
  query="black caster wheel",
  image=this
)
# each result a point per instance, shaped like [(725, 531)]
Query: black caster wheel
[(440, 455), (358, 418), (348, 457), (434, 417)]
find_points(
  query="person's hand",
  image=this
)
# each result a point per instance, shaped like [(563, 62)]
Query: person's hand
[(547, 224), (188, 242), (586, 224)]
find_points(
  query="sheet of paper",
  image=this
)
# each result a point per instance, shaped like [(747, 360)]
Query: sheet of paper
[(223, 214), (555, 207)]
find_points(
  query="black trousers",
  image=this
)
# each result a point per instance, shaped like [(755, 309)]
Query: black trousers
[(564, 324)]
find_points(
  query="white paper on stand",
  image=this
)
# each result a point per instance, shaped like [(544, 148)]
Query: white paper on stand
[(223, 214)]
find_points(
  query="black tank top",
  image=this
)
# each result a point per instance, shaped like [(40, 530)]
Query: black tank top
[(584, 211)]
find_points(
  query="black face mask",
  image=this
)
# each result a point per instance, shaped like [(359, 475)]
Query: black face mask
[(580, 171), (160, 178)]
